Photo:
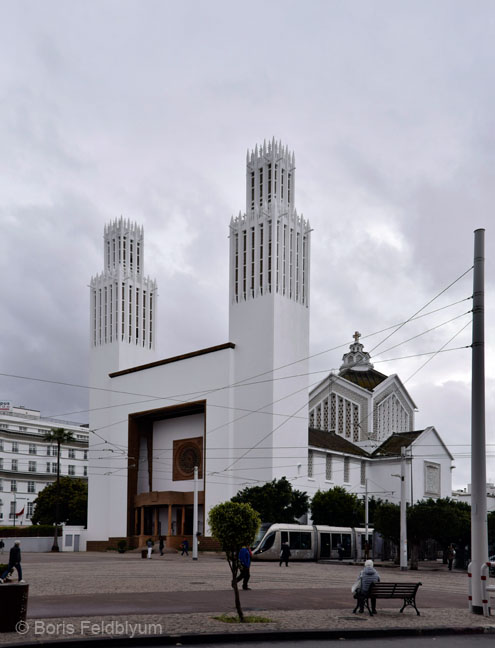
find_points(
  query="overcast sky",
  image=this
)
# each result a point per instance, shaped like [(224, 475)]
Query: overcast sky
[(146, 109)]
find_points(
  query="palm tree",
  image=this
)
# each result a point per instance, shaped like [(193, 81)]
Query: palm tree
[(58, 436)]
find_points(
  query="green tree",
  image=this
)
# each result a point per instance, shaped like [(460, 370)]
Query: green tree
[(235, 526), (336, 507), (386, 521), (275, 501), (58, 436), (74, 502), (443, 520)]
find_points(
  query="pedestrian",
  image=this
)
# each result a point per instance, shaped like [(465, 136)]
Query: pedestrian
[(284, 554), (14, 561), (185, 547), (161, 545), (245, 560), (149, 544), (368, 576), (366, 550), (340, 550), (2, 546), (450, 555)]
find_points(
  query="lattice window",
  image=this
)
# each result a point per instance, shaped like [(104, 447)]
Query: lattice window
[(310, 463), (328, 467), (318, 417), (312, 419), (333, 412), (347, 469), (325, 414), (363, 473), (341, 416), (355, 422), (348, 418)]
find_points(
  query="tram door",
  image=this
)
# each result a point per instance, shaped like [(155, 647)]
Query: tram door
[(324, 545)]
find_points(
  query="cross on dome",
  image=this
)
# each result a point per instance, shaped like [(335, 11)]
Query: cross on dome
[(356, 336)]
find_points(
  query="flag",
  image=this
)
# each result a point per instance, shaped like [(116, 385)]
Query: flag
[(20, 513)]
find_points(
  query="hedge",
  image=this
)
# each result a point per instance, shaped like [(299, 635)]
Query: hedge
[(33, 531)]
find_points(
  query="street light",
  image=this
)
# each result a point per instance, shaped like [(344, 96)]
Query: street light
[(403, 519)]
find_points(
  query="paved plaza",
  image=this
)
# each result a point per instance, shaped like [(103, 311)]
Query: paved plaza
[(109, 594)]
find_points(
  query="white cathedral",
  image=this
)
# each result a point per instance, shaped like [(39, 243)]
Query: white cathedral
[(241, 411)]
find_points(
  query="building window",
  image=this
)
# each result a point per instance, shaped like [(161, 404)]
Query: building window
[(269, 183), (1, 484), (252, 189), (4, 426), (50, 451), (12, 510), (32, 449), (347, 466), (328, 467), (236, 266), (261, 187), (72, 470), (15, 446), (310, 463), (30, 510), (13, 486), (85, 455), (54, 467), (312, 419), (31, 488), (261, 258), (1, 463), (22, 428), (363, 473), (1, 445), (72, 453), (15, 464), (85, 471), (32, 466)]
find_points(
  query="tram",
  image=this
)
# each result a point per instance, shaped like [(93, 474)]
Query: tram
[(311, 542)]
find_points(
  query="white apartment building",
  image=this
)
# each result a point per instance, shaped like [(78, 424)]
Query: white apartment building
[(28, 463)]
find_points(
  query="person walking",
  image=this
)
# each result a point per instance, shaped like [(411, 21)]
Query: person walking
[(245, 560), (284, 554), (149, 544), (161, 545), (368, 576), (185, 547), (450, 555), (14, 561)]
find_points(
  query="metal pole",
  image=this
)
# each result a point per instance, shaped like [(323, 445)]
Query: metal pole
[(403, 519), (366, 514), (195, 515), (479, 531)]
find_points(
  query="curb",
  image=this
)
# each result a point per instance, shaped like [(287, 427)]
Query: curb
[(262, 635)]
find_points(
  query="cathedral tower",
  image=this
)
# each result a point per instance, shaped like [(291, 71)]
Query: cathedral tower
[(269, 313), (122, 302)]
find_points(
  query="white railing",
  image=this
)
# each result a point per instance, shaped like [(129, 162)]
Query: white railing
[(486, 588)]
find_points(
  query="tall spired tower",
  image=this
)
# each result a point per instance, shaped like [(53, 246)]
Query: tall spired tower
[(269, 317), (123, 303)]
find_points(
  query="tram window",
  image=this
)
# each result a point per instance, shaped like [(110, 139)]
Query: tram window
[(284, 536), (300, 540), (267, 542), (336, 540)]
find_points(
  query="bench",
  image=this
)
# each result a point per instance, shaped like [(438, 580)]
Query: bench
[(404, 591)]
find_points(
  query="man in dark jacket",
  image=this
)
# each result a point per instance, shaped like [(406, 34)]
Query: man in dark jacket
[(14, 561), (284, 554), (368, 575), (245, 560)]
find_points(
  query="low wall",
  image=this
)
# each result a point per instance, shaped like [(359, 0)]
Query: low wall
[(29, 545)]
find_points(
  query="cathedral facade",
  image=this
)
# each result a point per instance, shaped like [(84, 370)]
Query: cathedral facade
[(237, 411)]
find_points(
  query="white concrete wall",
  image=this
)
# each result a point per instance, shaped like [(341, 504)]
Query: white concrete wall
[(164, 434), (28, 545), (68, 541), (194, 377)]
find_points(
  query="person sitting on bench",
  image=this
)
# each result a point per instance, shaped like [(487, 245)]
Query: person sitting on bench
[(368, 576)]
